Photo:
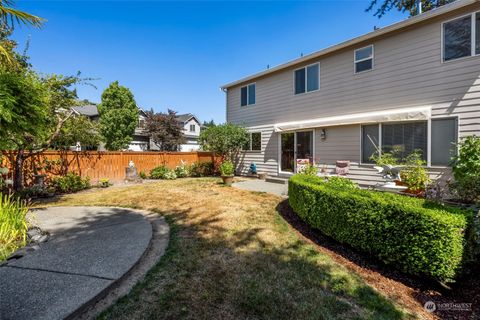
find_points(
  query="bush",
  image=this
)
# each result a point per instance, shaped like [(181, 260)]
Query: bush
[(202, 169), (310, 170), (104, 183), (414, 175), (226, 168), (162, 172), (71, 182), (143, 175), (466, 170), (13, 225), (417, 236), (182, 171)]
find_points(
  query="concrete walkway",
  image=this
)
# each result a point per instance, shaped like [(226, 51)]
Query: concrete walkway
[(89, 250), (278, 189)]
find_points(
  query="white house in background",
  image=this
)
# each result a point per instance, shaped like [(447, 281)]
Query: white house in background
[(192, 128), (412, 85), (140, 140)]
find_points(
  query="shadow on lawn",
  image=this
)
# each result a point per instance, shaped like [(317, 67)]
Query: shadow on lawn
[(466, 290), (213, 272)]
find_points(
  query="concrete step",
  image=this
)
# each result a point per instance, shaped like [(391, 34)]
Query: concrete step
[(279, 180)]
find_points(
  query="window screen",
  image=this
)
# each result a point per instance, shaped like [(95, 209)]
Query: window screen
[(300, 81), (257, 141), (457, 38), (370, 142), (243, 97), (444, 138), (313, 77), (404, 138), (251, 94)]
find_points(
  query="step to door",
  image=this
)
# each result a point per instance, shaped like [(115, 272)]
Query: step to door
[(277, 180)]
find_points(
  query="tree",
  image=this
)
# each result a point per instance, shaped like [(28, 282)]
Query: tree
[(165, 130), (118, 116), (405, 5), (33, 112), (207, 124), (225, 139), (9, 17), (78, 129)]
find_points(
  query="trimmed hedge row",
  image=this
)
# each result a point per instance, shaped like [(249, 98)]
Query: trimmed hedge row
[(415, 235)]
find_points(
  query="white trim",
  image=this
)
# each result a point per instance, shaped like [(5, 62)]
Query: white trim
[(429, 142), (248, 94), (306, 79), (355, 61)]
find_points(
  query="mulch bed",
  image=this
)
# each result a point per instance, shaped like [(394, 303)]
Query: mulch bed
[(411, 292)]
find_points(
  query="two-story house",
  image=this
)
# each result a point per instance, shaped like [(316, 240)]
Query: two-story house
[(191, 128), (414, 85)]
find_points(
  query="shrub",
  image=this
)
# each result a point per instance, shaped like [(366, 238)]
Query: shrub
[(414, 175), (202, 169), (104, 183), (466, 170), (226, 168), (162, 172), (310, 170), (143, 175), (182, 171), (417, 236), (71, 182), (341, 183), (13, 225), (158, 172)]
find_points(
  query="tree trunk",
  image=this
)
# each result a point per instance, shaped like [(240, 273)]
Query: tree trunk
[(18, 174)]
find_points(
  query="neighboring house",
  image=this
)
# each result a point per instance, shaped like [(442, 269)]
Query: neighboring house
[(412, 85), (140, 140), (191, 127)]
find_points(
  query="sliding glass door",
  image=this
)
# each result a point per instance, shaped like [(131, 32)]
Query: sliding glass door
[(293, 146)]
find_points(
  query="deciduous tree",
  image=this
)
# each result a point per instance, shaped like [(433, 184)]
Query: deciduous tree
[(225, 139), (165, 130), (118, 116)]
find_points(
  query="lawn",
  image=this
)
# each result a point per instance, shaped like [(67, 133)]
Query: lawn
[(232, 256)]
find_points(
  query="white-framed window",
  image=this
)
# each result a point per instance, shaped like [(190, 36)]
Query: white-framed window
[(403, 138), (461, 37), (192, 128), (247, 95), (307, 79), (254, 143), (363, 59)]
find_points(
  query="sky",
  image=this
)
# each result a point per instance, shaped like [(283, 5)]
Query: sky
[(177, 54)]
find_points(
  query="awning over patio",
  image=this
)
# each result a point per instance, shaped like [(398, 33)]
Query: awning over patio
[(404, 114)]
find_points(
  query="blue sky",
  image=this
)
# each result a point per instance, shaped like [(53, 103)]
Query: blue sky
[(177, 54)]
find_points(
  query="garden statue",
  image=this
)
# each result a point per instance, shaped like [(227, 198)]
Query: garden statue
[(131, 173), (253, 168), (391, 174)]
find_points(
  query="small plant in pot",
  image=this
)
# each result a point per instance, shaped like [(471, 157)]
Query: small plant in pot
[(226, 172)]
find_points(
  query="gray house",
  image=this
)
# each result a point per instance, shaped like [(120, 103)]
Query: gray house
[(412, 85)]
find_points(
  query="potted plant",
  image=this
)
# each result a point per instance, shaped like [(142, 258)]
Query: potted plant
[(226, 172)]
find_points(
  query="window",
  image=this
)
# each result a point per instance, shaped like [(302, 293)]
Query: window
[(254, 143), (364, 59), (141, 123), (404, 138), (307, 79), (461, 37), (192, 128), (444, 138), (247, 95)]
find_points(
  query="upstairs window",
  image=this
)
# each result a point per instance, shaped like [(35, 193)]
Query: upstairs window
[(247, 95), (461, 37), (192, 128), (254, 143), (364, 59), (307, 79)]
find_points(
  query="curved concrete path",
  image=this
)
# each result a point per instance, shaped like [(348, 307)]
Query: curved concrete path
[(89, 250)]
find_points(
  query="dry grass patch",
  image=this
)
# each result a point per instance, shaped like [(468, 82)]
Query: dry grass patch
[(232, 256)]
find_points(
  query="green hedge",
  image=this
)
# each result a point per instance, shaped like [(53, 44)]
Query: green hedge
[(414, 235)]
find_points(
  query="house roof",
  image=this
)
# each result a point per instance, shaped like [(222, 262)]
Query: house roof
[(382, 31), (88, 110), (186, 117)]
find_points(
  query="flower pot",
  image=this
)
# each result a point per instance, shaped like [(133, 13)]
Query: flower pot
[(262, 175), (227, 180)]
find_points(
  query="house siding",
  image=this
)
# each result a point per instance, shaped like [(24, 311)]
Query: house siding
[(408, 72)]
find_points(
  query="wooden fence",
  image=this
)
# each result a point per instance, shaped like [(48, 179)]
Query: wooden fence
[(98, 165)]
